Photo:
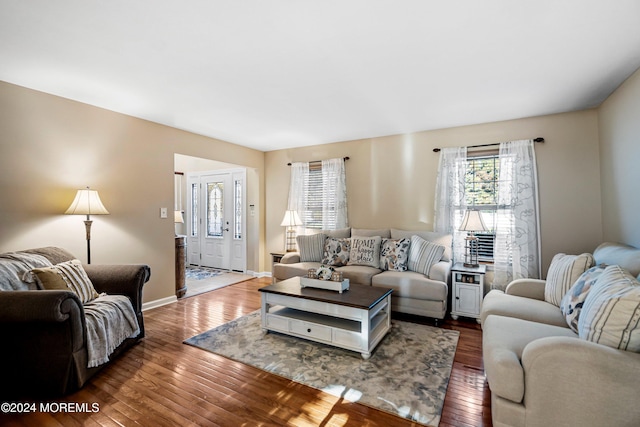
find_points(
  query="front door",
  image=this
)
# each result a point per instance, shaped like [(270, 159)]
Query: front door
[(216, 220)]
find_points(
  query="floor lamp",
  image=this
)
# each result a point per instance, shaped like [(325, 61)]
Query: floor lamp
[(87, 202)]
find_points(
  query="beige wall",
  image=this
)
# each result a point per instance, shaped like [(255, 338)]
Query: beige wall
[(619, 125), (52, 146), (391, 180)]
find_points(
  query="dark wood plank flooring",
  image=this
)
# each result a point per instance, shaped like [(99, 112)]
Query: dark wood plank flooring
[(163, 382)]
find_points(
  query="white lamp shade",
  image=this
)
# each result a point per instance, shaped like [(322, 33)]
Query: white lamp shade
[(472, 221), (87, 202), (291, 219), (177, 217)]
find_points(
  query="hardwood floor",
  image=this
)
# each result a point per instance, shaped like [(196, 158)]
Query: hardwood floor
[(162, 382)]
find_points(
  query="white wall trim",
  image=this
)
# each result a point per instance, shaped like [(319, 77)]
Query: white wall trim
[(159, 303), (259, 274)]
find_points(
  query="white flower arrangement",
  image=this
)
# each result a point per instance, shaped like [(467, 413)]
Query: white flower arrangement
[(324, 272)]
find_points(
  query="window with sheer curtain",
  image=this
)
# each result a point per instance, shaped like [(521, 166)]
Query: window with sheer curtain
[(318, 192), (504, 189)]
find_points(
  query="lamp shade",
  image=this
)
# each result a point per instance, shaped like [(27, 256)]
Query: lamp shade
[(472, 221), (87, 202), (291, 219), (177, 217)]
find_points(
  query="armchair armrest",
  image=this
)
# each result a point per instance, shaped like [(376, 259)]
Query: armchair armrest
[(38, 306), (441, 271), (28, 309), (290, 258), (578, 380), (120, 280), (528, 288)]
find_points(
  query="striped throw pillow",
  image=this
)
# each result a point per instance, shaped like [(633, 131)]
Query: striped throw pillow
[(423, 254), (67, 276), (311, 247), (563, 273), (611, 312)]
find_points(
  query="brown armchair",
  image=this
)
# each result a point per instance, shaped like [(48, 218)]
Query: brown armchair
[(44, 331)]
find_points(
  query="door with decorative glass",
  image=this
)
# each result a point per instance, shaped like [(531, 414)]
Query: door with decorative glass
[(216, 219)]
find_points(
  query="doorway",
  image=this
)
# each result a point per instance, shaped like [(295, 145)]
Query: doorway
[(216, 219)]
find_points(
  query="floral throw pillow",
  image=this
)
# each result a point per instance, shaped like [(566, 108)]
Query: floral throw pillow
[(394, 254), (336, 251), (573, 301)]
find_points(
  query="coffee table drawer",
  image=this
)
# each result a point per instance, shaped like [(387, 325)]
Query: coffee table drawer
[(311, 330)]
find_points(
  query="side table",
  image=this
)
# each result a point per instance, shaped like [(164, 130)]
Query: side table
[(181, 285), (468, 290)]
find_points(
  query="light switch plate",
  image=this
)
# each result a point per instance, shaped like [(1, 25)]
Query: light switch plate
[(163, 213)]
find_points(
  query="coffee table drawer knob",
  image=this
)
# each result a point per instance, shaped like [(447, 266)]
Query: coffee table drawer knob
[(309, 330)]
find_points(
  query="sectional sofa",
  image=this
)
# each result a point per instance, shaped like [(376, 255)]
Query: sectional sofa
[(415, 264), (565, 351)]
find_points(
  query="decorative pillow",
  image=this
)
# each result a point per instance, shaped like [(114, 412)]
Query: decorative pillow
[(563, 273), (573, 301), (423, 254), (365, 251), (336, 251), (67, 276), (311, 247), (611, 313), (394, 254)]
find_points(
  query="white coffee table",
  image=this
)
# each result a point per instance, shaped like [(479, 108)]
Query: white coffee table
[(355, 320)]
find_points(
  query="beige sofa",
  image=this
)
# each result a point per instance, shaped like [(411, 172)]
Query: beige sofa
[(413, 292), (542, 373)]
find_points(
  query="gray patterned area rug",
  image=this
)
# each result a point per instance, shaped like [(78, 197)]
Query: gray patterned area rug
[(406, 375)]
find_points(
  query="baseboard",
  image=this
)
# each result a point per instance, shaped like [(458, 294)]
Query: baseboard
[(158, 303), (259, 274)]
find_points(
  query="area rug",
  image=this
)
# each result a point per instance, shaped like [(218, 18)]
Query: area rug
[(407, 373), (201, 273)]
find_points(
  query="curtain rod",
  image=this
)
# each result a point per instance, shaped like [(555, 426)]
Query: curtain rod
[(318, 161), (437, 150)]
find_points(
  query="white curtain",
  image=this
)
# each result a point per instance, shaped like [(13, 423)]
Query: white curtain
[(517, 248), (450, 201), (334, 197), (297, 187)]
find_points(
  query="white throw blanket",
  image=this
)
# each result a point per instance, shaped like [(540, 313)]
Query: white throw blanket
[(110, 320), (15, 268)]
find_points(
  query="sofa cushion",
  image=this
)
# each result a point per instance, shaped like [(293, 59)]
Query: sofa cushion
[(503, 341), (365, 251), (499, 303), (371, 232), (573, 301), (410, 284), (443, 239), (311, 247), (359, 274), (338, 233), (611, 312), (67, 275), (563, 273), (336, 251), (423, 254), (394, 254)]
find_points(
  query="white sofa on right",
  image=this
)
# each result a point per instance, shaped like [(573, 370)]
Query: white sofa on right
[(543, 373)]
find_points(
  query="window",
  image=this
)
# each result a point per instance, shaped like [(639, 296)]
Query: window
[(481, 192), (318, 193), (312, 213)]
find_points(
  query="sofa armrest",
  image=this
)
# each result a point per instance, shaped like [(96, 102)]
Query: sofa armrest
[(577, 380), (528, 288), (290, 258), (34, 310), (440, 271), (125, 279)]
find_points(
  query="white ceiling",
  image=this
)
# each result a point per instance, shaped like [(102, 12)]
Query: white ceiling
[(286, 73)]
